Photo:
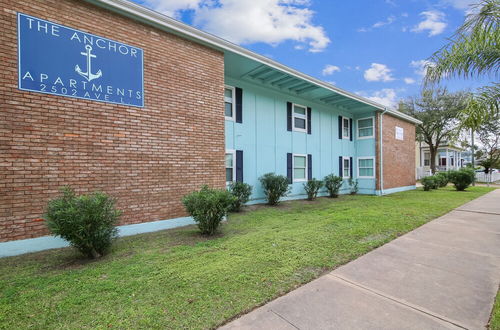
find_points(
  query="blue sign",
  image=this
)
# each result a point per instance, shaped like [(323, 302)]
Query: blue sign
[(55, 59)]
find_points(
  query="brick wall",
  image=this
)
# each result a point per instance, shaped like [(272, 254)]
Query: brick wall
[(399, 156), (148, 158)]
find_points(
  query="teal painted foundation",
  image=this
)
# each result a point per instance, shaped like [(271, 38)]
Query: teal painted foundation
[(395, 190), (30, 245)]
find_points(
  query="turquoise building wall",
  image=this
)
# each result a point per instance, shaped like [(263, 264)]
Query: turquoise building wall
[(265, 141)]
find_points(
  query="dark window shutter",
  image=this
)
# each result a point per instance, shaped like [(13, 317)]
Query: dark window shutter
[(289, 116), (340, 127), (239, 165), (350, 130), (239, 105), (350, 166), (308, 120), (341, 172), (309, 167), (289, 168)]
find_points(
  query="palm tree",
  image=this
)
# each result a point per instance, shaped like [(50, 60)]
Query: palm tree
[(474, 49)]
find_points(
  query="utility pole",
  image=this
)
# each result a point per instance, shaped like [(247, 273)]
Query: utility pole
[(472, 151)]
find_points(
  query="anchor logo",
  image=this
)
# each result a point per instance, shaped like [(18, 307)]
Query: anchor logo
[(88, 75)]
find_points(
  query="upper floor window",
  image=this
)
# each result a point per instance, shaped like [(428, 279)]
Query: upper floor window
[(229, 101), (365, 128), (346, 129), (299, 118)]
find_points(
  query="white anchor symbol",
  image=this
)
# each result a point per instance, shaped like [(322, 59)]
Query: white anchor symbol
[(88, 75)]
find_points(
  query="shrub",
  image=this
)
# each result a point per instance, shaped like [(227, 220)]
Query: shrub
[(333, 184), (242, 192), (312, 187), (275, 187), (462, 178), (87, 222), (442, 179), (429, 182), (354, 186), (208, 207)]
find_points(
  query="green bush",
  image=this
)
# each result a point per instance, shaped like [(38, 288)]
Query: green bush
[(312, 187), (354, 186), (275, 187), (462, 178), (208, 207), (87, 222), (429, 182), (333, 184), (442, 179), (242, 192)]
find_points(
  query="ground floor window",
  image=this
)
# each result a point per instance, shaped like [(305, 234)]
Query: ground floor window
[(442, 161), (346, 167), (427, 159), (299, 167), (230, 168), (366, 167)]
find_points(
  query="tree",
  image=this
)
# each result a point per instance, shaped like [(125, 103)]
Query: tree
[(489, 135), (438, 110), (473, 51)]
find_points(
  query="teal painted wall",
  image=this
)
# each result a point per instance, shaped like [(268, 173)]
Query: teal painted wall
[(265, 141)]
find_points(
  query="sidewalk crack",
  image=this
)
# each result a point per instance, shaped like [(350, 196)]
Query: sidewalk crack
[(412, 306)]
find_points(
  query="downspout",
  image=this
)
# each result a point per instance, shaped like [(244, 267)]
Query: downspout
[(381, 156)]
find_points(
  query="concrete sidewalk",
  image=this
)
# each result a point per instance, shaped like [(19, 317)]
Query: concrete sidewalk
[(443, 275)]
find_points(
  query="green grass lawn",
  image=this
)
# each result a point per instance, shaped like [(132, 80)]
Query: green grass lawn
[(495, 314), (178, 279)]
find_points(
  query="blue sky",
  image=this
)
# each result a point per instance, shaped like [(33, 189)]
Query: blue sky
[(375, 48)]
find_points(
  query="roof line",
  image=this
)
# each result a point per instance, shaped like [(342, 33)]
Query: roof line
[(142, 13)]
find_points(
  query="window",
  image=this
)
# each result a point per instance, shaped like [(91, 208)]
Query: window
[(346, 167), (299, 167), (230, 168), (442, 161), (365, 128), (427, 159), (346, 129), (299, 118), (400, 132), (366, 167), (229, 103)]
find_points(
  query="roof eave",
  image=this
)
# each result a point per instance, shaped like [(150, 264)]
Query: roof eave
[(147, 15)]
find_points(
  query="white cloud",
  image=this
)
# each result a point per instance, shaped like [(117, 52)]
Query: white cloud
[(409, 80), (245, 22), (420, 66), (389, 20), (433, 22), (378, 72), (386, 96), (329, 70)]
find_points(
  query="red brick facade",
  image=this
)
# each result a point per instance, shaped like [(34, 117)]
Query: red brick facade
[(147, 158), (398, 155)]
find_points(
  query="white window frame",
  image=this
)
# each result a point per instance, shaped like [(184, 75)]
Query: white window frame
[(232, 152), (294, 115), (348, 136), (366, 177), (429, 159), (293, 167), (233, 101), (373, 128), (343, 167)]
